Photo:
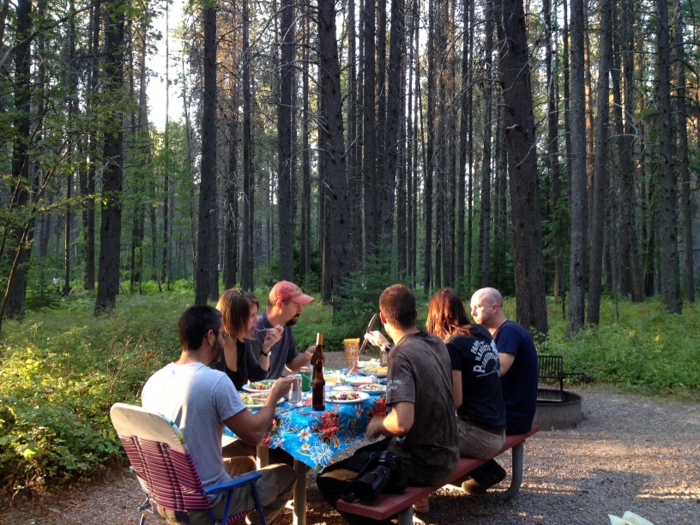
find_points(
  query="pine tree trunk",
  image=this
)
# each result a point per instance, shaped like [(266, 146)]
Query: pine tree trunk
[(667, 177), (519, 123)]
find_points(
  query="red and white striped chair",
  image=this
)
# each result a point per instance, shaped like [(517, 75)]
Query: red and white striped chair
[(162, 463)]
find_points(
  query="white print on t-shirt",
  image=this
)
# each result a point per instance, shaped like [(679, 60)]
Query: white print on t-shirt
[(394, 384), (485, 353)]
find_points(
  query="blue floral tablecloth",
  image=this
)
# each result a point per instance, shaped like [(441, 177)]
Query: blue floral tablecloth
[(314, 437)]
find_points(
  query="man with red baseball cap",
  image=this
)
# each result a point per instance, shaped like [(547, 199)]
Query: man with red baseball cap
[(285, 304)]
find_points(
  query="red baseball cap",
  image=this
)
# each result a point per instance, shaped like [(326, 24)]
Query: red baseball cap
[(285, 291)]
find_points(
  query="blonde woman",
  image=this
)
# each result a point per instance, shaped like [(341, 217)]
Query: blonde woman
[(242, 361)]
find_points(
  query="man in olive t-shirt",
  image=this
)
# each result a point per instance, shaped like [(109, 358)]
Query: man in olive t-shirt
[(421, 428)]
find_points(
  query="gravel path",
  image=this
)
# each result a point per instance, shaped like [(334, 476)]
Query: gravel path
[(629, 453)]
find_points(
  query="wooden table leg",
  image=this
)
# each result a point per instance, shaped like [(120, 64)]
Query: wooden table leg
[(300, 493), (263, 456)]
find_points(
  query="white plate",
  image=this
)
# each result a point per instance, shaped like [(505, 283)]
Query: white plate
[(256, 400), (250, 387), (342, 388), (374, 389), (359, 380), (361, 396)]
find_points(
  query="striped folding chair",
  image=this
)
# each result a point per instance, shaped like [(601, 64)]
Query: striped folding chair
[(162, 463)]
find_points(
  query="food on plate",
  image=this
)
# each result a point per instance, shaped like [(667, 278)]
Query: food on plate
[(376, 370), (359, 380), (252, 400), (373, 388), (265, 384), (344, 396)]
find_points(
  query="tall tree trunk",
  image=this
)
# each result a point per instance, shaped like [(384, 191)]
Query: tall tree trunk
[(284, 152), (667, 177), (112, 177), (248, 163), (684, 162), (433, 69), (19, 234), (305, 230), (578, 198), (630, 267), (485, 215), (231, 188), (522, 166), (207, 236), (600, 177), (393, 123), (553, 150), (332, 125), (369, 168), (88, 185)]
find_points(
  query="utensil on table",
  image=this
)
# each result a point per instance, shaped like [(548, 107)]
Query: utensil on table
[(370, 326)]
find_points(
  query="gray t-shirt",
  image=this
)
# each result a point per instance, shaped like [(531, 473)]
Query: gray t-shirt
[(198, 400), (283, 351), (420, 373)]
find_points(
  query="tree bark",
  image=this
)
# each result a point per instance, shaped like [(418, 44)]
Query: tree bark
[(332, 125), (579, 195), (600, 177), (522, 166), (684, 161), (667, 177), (284, 151), (206, 232), (112, 177)]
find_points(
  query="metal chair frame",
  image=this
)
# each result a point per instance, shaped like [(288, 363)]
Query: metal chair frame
[(163, 465)]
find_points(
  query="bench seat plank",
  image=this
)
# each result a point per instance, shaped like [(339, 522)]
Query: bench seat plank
[(388, 505)]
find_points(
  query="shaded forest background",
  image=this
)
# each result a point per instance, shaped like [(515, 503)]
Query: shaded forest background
[(541, 148)]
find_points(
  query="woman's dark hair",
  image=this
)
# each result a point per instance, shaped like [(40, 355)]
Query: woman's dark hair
[(234, 305), (195, 323), (446, 315), (398, 304)]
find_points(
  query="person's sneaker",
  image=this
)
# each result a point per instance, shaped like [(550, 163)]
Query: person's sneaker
[(474, 486), (422, 505)]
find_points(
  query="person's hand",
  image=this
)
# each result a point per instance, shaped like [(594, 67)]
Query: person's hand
[(279, 389), (309, 353), (374, 427), (376, 338), (272, 335)]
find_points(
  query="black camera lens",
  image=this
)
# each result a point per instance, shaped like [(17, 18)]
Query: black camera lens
[(371, 485)]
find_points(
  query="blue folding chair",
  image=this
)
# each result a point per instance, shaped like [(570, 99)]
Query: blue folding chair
[(162, 463)]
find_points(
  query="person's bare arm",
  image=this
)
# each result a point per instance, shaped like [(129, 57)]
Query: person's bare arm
[(457, 387), (505, 361), (302, 359), (396, 423), (252, 427)]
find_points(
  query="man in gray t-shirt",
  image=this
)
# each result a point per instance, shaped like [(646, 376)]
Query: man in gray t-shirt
[(200, 401), (421, 428)]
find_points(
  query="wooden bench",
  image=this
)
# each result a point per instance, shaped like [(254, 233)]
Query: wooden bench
[(388, 505)]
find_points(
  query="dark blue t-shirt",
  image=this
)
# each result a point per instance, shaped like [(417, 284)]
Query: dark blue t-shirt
[(519, 385)]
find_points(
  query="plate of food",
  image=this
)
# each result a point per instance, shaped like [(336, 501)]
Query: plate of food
[(375, 370), (373, 389), (261, 387), (346, 397), (355, 380), (253, 400)]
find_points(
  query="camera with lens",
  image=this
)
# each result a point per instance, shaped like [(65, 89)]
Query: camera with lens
[(383, 473)]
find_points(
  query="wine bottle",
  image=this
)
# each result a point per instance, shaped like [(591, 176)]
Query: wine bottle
[(318, 385)]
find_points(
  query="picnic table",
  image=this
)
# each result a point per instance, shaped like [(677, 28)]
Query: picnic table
[(313, 437)]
